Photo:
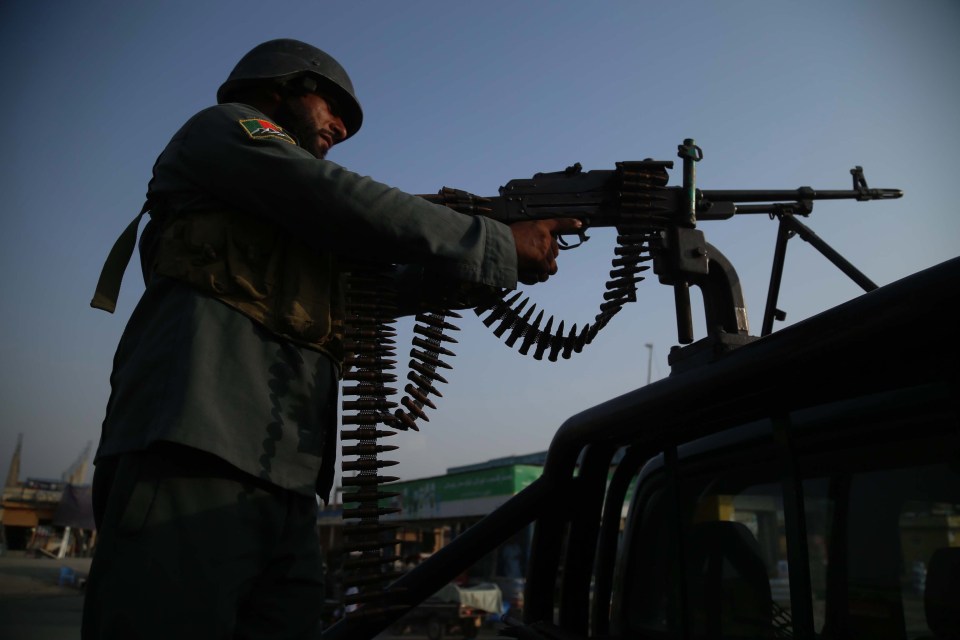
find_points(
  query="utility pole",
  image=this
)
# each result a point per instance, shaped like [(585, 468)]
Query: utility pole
[(649, 347)]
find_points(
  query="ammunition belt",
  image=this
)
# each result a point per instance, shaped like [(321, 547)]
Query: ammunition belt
[(370, 414)]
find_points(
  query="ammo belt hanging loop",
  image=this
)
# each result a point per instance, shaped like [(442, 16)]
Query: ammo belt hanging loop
[(111, 276), (369, 415)]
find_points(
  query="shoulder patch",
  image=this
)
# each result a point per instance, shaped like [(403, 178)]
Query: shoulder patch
[(260, 129)]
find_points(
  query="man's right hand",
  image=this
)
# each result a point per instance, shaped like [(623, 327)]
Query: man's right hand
[(537, 247)]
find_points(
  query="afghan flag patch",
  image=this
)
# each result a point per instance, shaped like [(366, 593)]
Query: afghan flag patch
[(260, 129)]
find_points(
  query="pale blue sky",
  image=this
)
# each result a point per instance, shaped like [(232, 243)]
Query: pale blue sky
[(471, 95)]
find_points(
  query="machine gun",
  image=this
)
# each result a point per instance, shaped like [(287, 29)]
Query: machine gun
[(654, 222)]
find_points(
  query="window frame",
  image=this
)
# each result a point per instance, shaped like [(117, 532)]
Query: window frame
[(793, 441)]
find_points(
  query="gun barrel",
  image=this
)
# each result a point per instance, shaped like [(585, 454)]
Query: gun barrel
[(803, 193)]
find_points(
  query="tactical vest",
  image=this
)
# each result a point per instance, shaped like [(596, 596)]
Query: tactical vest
[(247, 263)]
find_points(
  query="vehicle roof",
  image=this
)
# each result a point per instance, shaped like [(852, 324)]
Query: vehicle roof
[(902, 334)]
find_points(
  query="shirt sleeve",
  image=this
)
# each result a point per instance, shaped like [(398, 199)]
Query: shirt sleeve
[(216, 157)]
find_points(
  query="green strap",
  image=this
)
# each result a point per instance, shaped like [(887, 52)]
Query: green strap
[(108, 286)]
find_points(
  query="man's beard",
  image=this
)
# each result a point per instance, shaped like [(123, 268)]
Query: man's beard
[(291, 115)]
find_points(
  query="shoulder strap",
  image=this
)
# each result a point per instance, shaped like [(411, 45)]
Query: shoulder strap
[(108, 286)]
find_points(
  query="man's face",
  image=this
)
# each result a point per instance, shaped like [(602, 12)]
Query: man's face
[(313, 120)]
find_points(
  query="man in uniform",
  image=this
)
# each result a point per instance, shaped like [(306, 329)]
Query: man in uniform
[(220, 430)]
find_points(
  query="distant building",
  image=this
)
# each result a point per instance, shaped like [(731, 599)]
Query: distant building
[(437, 509), (52, 517)]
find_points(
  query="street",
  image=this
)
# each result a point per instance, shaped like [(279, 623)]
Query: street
[(41, 601)]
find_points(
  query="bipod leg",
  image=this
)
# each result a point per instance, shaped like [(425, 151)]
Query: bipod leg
[(829, 253), (776, 277)]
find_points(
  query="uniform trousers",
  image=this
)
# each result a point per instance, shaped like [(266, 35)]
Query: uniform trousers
[(191, 547)]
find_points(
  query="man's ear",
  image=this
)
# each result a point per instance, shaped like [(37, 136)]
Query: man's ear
[(265, 99)]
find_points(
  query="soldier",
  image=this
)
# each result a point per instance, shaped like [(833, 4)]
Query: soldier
[(220, 430)]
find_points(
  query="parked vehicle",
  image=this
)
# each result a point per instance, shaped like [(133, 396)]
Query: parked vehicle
[(804, 484)]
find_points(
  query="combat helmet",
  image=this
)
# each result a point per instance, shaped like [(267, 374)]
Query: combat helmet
[(285, 59)]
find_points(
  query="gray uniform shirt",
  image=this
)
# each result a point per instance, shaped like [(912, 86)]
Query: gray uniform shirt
[(192, 370)]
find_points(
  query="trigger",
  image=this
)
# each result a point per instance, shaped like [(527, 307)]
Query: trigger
[(564, 244)]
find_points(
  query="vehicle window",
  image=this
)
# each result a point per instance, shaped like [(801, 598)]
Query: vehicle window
[(879, 524), (904, 526), (737, 567)]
